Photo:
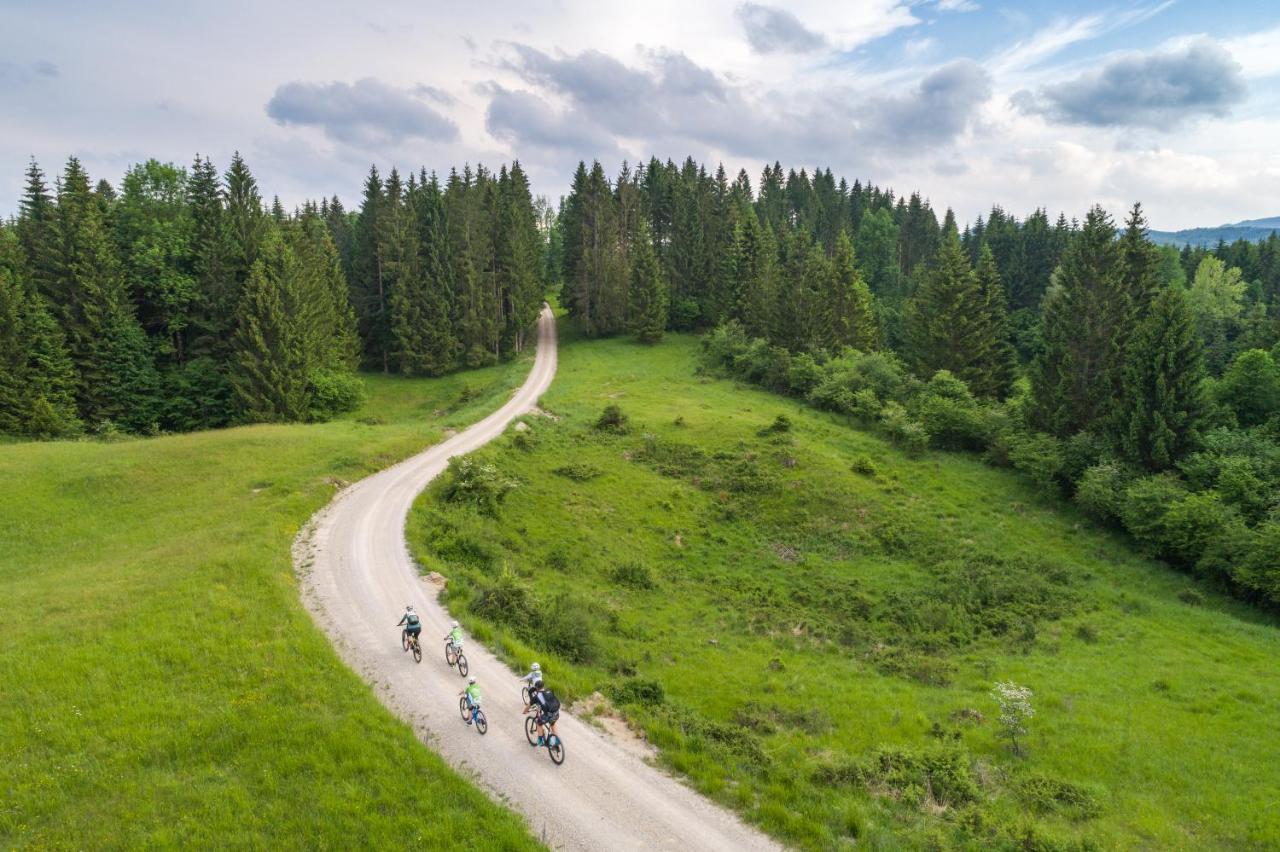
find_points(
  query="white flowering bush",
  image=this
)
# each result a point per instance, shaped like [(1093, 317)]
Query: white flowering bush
[(1015, 710)]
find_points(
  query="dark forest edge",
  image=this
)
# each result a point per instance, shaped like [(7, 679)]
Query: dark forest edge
[(181, 301)]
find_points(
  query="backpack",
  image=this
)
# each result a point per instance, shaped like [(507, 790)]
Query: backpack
[(550, 704), (412, 620)]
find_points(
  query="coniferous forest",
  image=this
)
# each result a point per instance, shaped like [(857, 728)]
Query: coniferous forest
[(1142, 383), (180, 301)]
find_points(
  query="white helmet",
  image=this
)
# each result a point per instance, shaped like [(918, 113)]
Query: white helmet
[(409, 608), (471, 680), (536, 667), (455, 623)]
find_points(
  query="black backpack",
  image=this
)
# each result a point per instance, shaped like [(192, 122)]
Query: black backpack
[(550, 704)]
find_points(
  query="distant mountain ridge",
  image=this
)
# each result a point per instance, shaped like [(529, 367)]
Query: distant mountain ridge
[(1250, 229)]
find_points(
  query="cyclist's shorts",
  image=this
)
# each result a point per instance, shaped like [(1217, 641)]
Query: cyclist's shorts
[(550, 719), (413, 631)]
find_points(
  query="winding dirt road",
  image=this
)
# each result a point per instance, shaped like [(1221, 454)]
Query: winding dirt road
[(357, 576)]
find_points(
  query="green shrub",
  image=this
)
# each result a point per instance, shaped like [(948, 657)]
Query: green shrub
[(578, 471), (1191, 597), (953, 424), (612, 419), (1100, 491), (505, 601), (1049, 795), (1191, 525), (780, 425), (865, 466), (564, 627), (635, 690), (632, 575), (1146, 502), (476, 483), (333, 393), (865, 405), (904, 432), (1039, 456), (805, 374)]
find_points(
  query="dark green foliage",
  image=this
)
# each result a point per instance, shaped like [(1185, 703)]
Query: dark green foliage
[(612, 419), (648, 290), (1076, 378), (632, 575), (578, 472), (946, 321), (635, 690), (1162, 407), (1250, 387), (1050, 795)]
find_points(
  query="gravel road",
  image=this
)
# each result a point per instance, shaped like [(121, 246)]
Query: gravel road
[(356, 576)]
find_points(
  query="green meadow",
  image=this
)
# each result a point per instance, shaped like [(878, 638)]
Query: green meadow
[(161, 685), (808, 624)]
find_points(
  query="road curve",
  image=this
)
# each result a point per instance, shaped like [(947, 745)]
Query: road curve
[(356, 576)]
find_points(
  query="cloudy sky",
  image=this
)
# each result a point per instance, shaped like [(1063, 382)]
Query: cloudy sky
[(1056, 104)]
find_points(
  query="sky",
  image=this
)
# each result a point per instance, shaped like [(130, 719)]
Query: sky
[(1061, 105)]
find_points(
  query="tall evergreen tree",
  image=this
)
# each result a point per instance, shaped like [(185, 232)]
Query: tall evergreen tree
[(1076, 377), (996, 369), (946, 324), (1141, 265), (422, 318), (852, 307), (368, 292), (648, 290), (1162, 400), (37, 379)]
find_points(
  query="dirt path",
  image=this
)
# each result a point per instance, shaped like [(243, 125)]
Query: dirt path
[(357, 576)]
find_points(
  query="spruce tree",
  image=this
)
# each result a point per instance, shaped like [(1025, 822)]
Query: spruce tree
[(421, 314), (367, 290), (1075, 377), (752, 276), (1163, 379), (270, 362), (946, 326), (1141, 265), (116, 377), (37, 379), (852, 307), (648, 290), (995, 377), (214, 305)]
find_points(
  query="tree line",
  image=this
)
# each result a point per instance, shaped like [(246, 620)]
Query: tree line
[(180, 300), (1142, 382)]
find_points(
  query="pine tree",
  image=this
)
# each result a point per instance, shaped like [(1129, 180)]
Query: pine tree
[(244, 222), (34, 229), (752, 276), (421, 310), (269, 369), (214, 305), (852, 307), (946, 324), (1163, 378), (1000, 362), (368, 292), (518, 247), (116, 378), (37, 379), (648, 290), (1075, 377), (1141, 264)]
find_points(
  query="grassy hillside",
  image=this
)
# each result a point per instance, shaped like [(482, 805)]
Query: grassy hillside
[(160, 683), (809, 624)]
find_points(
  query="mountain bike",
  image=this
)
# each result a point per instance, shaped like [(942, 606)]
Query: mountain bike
[(411, 643), (474, 714), (555, 748), (454, 657)]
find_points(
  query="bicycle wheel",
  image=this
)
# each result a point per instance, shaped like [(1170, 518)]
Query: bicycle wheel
[(555, 748), (448, 653), (482, 724), (530, 729), (462, 664), (463, 708), (417, 652), (524, 694), (404, 639)]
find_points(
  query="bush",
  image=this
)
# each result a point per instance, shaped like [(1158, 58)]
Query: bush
[(1191, 525), (1146, 502), (1049, 795), (633, 575), (637, 690), (477, 484), (506, 602), (804, 375), (333, 393), (950, 414), (1101, 491), (578, 471), (1039, 456), (564, 627), (865, 405), (1260, 571), (864, 466), (612, 419), (780, 425), (904, 432)]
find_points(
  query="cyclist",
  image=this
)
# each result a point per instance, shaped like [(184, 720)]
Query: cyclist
[(412, 624), (455, 636), (548, 709), (472, 692), (534, 676)]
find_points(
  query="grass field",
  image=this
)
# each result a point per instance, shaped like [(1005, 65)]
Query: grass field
[(808, 624), (161, 685)]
